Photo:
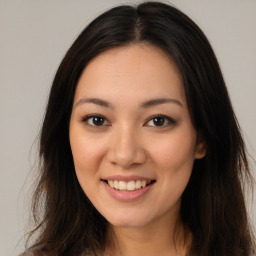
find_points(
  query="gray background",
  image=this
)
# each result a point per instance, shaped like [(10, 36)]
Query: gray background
[(34, 37)]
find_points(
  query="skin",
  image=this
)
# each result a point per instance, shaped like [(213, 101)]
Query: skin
[(128, 142)]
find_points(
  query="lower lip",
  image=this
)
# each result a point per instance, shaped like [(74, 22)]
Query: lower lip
[(127, 196)]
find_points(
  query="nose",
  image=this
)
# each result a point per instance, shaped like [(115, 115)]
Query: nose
[(126, 148)]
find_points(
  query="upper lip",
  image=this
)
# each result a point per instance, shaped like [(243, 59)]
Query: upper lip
[(127, 178)]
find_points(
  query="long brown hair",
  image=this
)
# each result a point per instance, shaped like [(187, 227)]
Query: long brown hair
[(213, 206)]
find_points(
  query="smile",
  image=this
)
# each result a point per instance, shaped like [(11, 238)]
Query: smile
[(127, 189), (128, 186)]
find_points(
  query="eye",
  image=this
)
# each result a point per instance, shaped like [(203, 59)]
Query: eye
[(160, 121), (95, 120)]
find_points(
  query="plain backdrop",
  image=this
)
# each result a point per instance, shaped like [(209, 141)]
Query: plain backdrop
[(35, 35)]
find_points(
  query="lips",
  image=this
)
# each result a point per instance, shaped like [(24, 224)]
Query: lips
[(127, 188)]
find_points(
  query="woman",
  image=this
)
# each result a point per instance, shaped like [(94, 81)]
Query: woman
[(141, 151)]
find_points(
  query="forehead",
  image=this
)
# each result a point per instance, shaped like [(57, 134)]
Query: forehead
[(137, 70)]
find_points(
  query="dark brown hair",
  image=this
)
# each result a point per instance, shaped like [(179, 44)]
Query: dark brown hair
[(213, 206)]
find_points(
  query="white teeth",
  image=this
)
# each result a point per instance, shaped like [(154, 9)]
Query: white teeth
[(138, 184), (111, 183), (122, 185), (143, 183), (116, 184), (130, 185)]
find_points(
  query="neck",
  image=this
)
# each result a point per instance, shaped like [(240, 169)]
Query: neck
[(166, 237)]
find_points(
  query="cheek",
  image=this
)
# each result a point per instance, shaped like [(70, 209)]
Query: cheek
[(174, 158), (174, 151), (87, 154)]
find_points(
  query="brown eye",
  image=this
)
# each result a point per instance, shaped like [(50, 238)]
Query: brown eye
[(95, 120), (160, 121)]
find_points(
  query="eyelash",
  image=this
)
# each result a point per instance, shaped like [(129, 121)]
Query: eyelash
[(87, 118), (166, 119)]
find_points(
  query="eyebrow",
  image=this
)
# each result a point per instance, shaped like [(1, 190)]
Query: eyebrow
[(158, 101), (146, 104), (96, 101)]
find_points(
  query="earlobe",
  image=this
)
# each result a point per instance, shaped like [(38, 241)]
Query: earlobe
[(201, 148)]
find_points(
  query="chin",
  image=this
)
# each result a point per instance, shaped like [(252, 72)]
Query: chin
[(124, 223), (132, 219)]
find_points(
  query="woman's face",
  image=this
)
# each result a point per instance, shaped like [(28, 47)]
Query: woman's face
[(131, 135)]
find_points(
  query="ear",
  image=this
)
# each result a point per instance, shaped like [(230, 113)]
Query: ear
[(201, 148)]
